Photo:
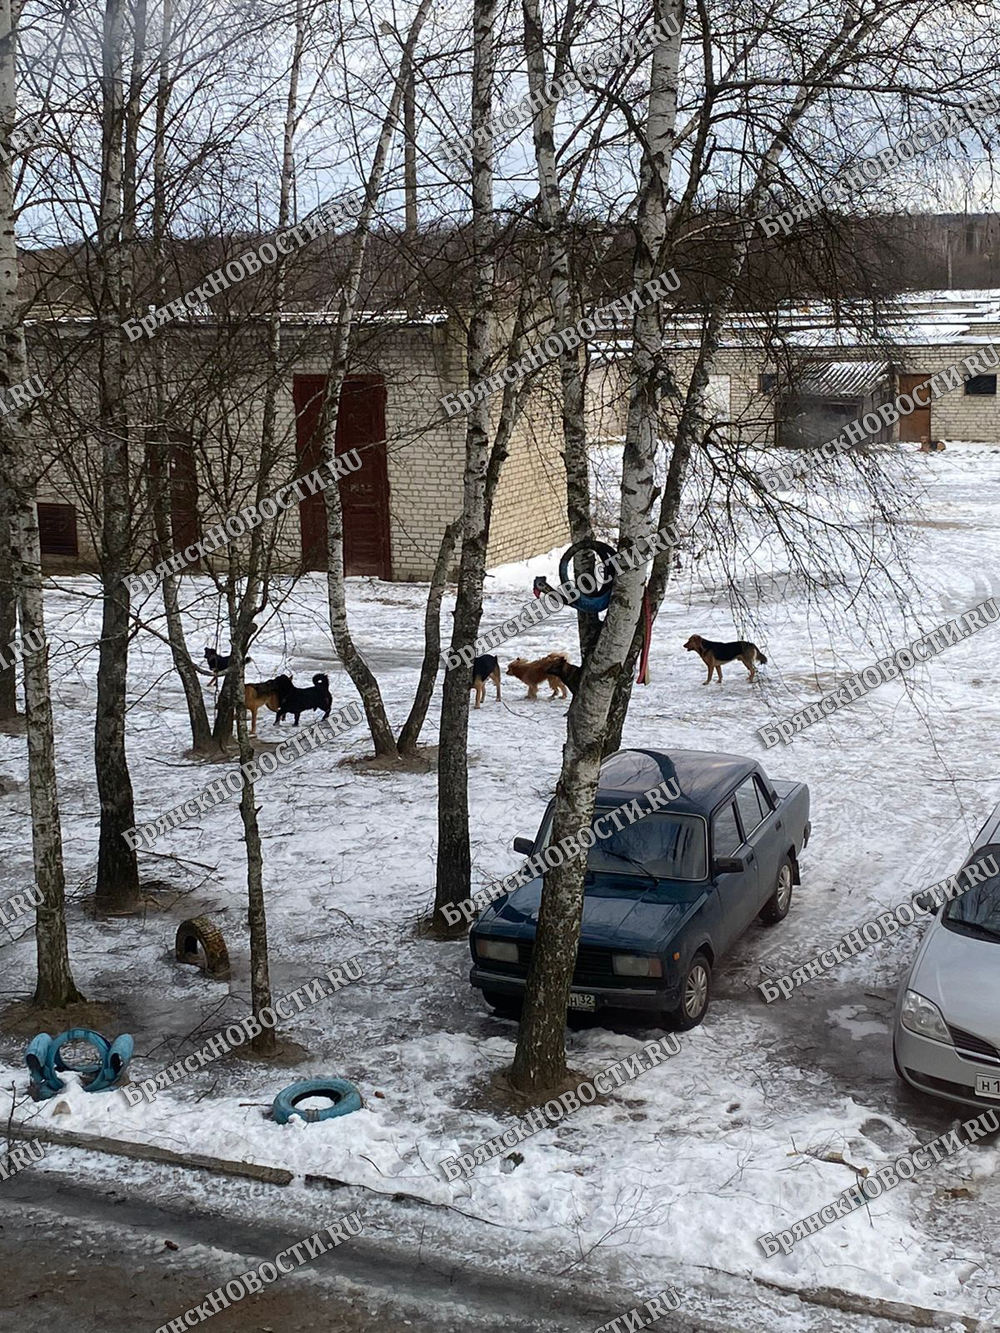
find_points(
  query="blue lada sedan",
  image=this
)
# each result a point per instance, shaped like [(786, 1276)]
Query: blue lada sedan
[(665, 896)]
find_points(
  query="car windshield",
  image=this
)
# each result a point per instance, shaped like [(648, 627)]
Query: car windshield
[(978, 908), (664, 845)]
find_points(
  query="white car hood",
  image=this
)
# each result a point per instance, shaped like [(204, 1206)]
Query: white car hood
[(962, 977)]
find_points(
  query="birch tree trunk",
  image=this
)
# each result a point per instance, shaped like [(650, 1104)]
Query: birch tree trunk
[(160, 453), (8, 611), (410, 733), (696, 412), (572, 362), (352, 660), (117, 867), (55, 987), (454, 861), (540, 1058)]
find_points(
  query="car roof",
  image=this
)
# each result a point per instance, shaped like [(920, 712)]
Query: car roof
[(703, 777)]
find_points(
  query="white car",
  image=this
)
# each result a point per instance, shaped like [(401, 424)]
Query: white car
[(946, 1036)]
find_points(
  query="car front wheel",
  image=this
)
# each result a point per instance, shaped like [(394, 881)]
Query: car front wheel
[(776, 907), (695, 992)]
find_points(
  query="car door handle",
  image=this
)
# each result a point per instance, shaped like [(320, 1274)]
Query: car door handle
[(777, 823), (750, 857)]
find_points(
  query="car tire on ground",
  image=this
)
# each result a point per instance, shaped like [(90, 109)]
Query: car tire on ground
[(776, 907), (505, 1005), (696, 987)]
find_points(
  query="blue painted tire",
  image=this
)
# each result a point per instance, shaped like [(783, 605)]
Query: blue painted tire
[(55, 1061), (346, 1099), (600, 599), (36, 1057)]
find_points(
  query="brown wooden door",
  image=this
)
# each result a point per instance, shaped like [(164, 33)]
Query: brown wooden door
[(364, 493), (184, 497), (917, 426)]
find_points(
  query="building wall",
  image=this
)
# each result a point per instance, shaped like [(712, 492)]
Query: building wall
[(956, 415), (529, 513), (425, 451)]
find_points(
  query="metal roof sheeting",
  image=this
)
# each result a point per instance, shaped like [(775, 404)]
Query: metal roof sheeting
[(843, 379)]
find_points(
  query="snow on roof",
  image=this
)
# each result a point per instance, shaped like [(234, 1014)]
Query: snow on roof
[(842, 379)]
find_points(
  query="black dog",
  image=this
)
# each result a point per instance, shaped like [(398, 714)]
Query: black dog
[(563, 669), (295, 701), (218, 664)]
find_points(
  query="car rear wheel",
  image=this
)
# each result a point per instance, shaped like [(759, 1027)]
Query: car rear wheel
[(505, 1005), (776, 907), (696, 989)]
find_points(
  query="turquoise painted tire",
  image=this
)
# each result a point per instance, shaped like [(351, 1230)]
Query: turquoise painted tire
[(345, 1099), (605, 553)]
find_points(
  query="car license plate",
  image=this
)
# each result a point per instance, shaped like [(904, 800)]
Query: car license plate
[(581, 1000), (988, 1085)]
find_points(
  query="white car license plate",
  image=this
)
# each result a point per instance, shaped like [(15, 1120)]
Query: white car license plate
[(988, 1085), (581, 1000)]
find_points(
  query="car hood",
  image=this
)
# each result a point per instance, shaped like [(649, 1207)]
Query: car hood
[(618, 911), (962, 977)]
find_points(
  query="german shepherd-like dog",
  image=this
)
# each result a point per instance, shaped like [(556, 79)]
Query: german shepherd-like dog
[(483, 669), (716, 655), (263, 694)]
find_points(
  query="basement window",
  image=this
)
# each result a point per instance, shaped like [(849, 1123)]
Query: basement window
[(981, 386)]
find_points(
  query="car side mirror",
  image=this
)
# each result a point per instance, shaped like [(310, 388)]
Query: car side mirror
[(728, 865), (524, 845)]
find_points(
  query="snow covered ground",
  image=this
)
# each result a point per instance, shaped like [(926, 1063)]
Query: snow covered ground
[(744, 1130)]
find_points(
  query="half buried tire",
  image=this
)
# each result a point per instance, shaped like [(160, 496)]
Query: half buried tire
[(200, 943), (343, 1096)]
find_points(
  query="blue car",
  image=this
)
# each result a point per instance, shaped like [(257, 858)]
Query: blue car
[(665, 896)]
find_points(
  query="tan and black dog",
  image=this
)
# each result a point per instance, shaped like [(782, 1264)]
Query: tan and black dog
[(483, 669), (264, 694), (716, 655)]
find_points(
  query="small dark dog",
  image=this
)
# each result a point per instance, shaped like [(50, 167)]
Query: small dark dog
[(564, 670), (219, 665), (295, 701), (483, 669), (715, 655)]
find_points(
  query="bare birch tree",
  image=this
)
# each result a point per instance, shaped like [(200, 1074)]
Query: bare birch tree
[(539, 1061), (55, 987), (117, 867)]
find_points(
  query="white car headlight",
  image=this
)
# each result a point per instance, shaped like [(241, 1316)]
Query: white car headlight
[(919, 1015), (631, 965), (501, 951)]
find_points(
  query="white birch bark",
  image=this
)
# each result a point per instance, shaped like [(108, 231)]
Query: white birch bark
[(540, 1058), (353, 662), (55, 987)]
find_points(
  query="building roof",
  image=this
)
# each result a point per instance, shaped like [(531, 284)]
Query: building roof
[(915, 319), (842, 379), (702, 776)]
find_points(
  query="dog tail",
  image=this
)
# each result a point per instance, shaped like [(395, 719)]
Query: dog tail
[(320, 679), (760, 656)]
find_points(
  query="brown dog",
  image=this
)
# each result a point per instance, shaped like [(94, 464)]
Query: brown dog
[(716, 655), (263, 695), (534, 673)]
